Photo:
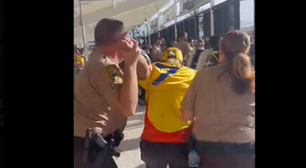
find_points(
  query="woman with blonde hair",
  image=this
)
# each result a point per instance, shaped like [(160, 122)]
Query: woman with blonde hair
[(221, 101)]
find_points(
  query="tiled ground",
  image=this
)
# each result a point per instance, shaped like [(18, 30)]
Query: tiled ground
[(130, 157)]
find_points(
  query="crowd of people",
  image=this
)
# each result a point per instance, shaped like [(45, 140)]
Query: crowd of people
[(199, 95), (191, 49)]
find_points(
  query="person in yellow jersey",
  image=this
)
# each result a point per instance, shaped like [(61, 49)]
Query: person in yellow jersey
[(163, 140), (78, 62)]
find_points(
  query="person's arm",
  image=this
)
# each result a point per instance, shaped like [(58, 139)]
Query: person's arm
[(128, 97), (144, 83), (187, 51), (143, 66), (188, 103), (129, 90), (189, 61), (122, 90), (153, 54)]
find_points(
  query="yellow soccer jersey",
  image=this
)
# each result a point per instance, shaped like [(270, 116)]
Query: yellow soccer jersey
[(165, 89)]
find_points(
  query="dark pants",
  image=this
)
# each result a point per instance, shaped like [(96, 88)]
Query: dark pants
[(227, 161), (226, 155), (159, 155), (142, 96), (105, 158)]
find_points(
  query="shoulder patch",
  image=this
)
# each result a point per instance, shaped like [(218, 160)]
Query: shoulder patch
[(113, 73)]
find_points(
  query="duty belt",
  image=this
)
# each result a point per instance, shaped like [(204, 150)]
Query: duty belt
[(94, 143)]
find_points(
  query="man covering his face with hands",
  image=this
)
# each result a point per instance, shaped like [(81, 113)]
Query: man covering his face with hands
[(104, 93)]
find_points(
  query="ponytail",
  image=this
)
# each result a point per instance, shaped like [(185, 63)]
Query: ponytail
[(242, 74)]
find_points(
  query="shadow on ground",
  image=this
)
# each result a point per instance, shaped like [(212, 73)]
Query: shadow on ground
[(140, 108), (129, 144), (134, 126), (136, 117), (141, 166)]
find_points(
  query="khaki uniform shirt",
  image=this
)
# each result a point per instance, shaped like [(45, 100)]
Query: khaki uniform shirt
[(184, 47), (94, 90), (221, 115), (208, 58)]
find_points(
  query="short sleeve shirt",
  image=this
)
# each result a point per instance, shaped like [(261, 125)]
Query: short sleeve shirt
[(207, 58), (96, 86), (221, 115), (184, 47)]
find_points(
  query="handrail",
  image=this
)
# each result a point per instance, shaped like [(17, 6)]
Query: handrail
[(114, 3)]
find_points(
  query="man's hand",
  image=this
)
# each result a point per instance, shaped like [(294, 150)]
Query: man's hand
[(130, 50), (97, 130)]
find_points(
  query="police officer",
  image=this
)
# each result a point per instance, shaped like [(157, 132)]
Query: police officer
[(102, 101), (222, 99)]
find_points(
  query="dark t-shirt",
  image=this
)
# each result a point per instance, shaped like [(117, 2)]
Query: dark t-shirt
[(195, 59)]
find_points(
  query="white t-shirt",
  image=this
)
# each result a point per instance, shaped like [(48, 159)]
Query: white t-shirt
[(203, 58)]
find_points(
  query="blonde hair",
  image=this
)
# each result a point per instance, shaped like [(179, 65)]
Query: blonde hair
[(235, 45)]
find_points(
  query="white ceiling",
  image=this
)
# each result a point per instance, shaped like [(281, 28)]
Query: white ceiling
[(131, 12), (92, 6)]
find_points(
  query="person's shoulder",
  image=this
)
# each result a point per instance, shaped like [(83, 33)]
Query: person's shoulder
[(162, 64), (175, 45), (207, 70), (185, 44), (190, 71), (180, 44), (101, 59), (154, 63), (101, 64), (207, 51), (212, 70)]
